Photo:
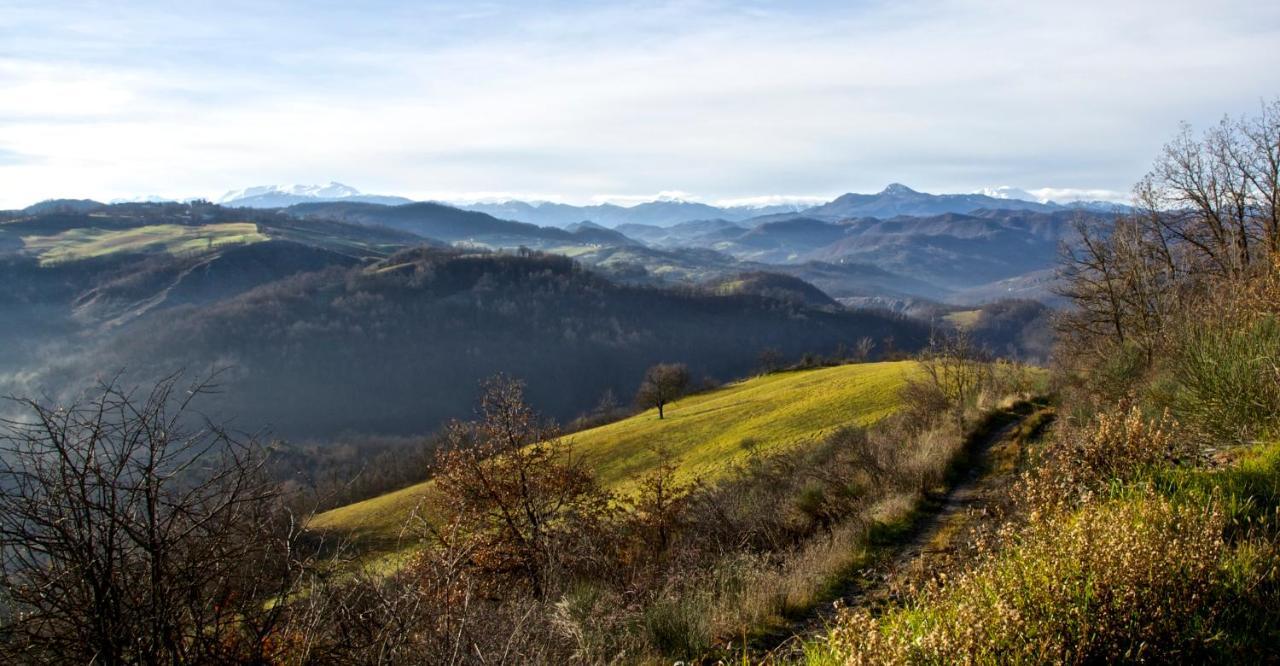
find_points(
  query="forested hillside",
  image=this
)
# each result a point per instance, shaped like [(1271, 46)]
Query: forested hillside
[(397, 347), (393, 347)]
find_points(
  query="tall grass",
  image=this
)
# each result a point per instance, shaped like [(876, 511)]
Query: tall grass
[(1124, 550), (1136, 579), (1228, 378), (771, 543)]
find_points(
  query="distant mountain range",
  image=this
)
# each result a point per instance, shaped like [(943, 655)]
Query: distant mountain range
[(932, 256), (894, 200), (998, 247), (898, 199), (283, 196), (657, 213)]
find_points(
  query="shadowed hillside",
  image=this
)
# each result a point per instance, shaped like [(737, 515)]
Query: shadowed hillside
[(394, 347)]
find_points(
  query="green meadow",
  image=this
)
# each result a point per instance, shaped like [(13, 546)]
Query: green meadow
[(85, 243)]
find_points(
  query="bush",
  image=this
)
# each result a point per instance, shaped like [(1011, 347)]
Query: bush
[(1116, 446), (678, 628), (1228, 378)]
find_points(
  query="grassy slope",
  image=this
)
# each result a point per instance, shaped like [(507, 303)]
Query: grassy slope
[(89, 242), (707, 432), (964, 318)]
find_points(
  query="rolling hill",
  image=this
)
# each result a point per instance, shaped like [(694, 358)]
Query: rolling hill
[(323, 326), (708, 432), (773, 285), (950, 251), (385, 348)]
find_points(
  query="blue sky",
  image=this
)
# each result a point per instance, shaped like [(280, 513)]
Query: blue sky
[(616, 101)]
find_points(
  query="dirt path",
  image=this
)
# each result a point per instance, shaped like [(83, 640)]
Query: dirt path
[(929, 537)]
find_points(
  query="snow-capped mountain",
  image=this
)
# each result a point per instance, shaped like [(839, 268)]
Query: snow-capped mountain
[(279, 196), (147, 198), (1007, 192)]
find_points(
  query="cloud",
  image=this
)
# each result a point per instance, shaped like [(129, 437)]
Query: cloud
[(12, 157), (1069, 194), (578, 101), (774, 200), (1058, 194)]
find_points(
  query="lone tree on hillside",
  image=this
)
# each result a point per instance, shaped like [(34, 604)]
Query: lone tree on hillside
[(662, 384), (770, 360)]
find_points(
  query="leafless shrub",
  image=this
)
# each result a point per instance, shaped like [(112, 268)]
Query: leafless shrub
[(518, 497), (956, 372), (130, 535)]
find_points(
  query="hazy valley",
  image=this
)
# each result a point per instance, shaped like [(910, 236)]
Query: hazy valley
[(420, 298)]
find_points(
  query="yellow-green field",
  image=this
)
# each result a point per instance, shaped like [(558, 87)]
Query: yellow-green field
[(90, 242), (708, 433), (963, 318)]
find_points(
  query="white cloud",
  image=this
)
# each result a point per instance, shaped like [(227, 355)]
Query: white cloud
[(580, 101), (1057, 194), (774, 200)]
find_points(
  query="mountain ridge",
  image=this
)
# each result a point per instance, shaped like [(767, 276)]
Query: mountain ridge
[(895, 199)]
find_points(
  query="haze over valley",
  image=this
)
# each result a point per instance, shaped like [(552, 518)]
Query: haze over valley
[(386, 294)]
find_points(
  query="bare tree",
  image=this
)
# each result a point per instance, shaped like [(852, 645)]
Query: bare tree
[(770, 360), (1090, 277), (508, 485), (1216, 197), (1206, 213), (862, 350), (957, 370), (1123, 281), (662, 384), (128, 535), (656, 509)]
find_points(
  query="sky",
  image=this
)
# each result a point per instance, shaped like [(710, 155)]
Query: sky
[(724, 102)]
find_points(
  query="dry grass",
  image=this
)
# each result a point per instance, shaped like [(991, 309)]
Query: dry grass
[(770, 544), (1118, 551), (1133, 579)]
